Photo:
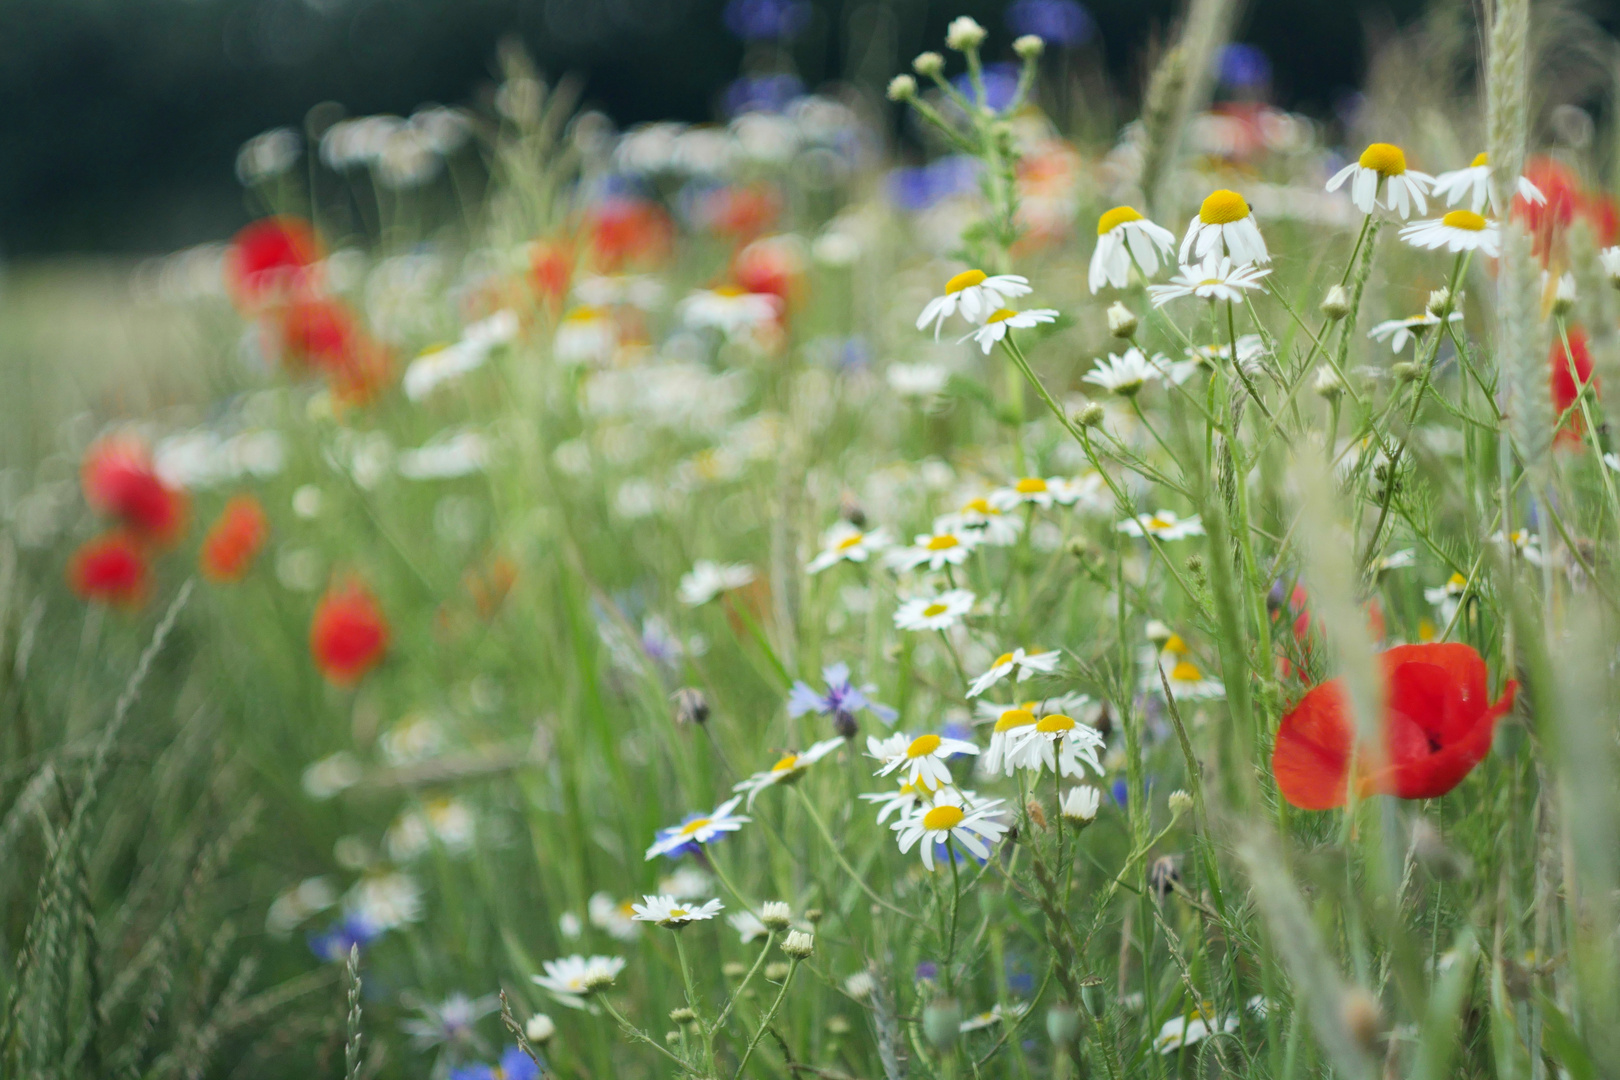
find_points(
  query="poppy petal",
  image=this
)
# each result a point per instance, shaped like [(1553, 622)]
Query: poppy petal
[(1311, 759)]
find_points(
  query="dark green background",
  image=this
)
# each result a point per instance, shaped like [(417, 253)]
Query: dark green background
[(120, 119)]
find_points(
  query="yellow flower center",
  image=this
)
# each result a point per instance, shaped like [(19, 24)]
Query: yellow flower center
[(1055, 724), (1004, 658), (1015, 718), (1464, 219), (730, 290), (980, 505), (786, 764), (1384, 159), (965, 280), (850, 541), (934, 609), (1222, 208), (943, 817), (941, 543), (678, 913), (1116, 217), (1157, 522), (584, 314), (1175, 644), (1186, 671), (1481, 158), (921, 787), (922, 746), (627, 908), (693, 826), (1457, 582), (1030, 485), (1001, 315)]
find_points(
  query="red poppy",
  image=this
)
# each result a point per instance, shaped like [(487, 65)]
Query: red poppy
[(1571, 371), (111, 569), (316, 332), (1437, 726), (234, 540), (773, 265), (270, 260), (119, 479), (349, 634), (625, 232), (741, 211), (1547, 220), (551, 267)]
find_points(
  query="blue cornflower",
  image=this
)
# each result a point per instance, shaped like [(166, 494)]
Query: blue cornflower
[(1057, 22), (514, 1065), (767, 20), (1000, 85), (335, 942), (841, 701), (921, 187), (1244, 66), (762, 93)]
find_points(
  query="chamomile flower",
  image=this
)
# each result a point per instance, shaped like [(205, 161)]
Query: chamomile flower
[(1383, 168), (1523, 542), (1186, 679), (1458, 231), (845, 543), (974, 824), (1211, 280), (1250, 348), (674, 914), (939, 612), (1474, 184), (1224, 221), (1609, 259), (901, 800), (1028, 490), (730, 310), (1003, 319), (1195, 1027), (1056, 742), (1399, 331), (1125, 375), (921, 759), (747, 925), (695, 831), (1019, 664), (611, 916), (1396, 560), (944, 546), (1080, 804), (1010, 724), (708, 579), (1073, 490), (1162, 525), (1447, 597), (996, 1015), (975, 294), (984, 519), (788, 768), (1121, 234), (574, 978)]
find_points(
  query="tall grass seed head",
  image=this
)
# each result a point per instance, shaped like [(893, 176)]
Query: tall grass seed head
[(964, 34)]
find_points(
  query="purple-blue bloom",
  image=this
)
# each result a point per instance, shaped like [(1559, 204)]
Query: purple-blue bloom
[(767, 20), (1244, 65), (1057, 22), (762, 93), (1000, 85), (922, 187), (842, 700), (514, 1065), (333, 944), (1121, 791)]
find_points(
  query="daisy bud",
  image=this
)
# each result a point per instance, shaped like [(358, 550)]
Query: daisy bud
[(860, 985), (799, 944), (776, 915), (1062, 1024), (928, 64), (777, 971), (1440, 303), (1121, 321), (902, 88), (1564, 299), (964, 33), (1328, 383), (942, 1022), (682, 1016), (1180, 803), (1080, 805), (1037, 813), (837, 1025), (1405, 371), (598, 980), (1091, 415), (691, 707), (540, 1029), (1336, 304), (1362, 1016), (812, 915), (1029, 46), (1157, 632), (733, 969), (672, 1037)]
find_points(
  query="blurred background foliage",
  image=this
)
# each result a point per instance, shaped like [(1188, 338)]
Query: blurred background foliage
[(120, 119)]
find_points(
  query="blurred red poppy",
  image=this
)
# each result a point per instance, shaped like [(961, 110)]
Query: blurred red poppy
[(774, 265), (1437, 726), (349, 633), (234, 540), (271, 260), (321, 334), (1571, 370), (111, 569), (741, 211), (551, 268), (628, 232), (120, 480)]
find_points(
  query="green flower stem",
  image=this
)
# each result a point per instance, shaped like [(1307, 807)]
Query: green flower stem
[(636, 1033), (693, 1003), (736, 995), (838, 853), (793, 966)]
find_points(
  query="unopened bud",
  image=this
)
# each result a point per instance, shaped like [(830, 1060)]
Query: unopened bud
[(902, 88), (1121, 321), (1440, 304), (1564, 299), (1336, 304), (1029, 47), (691, 707), (799, 944), (597, 980), (1080, 805), (1405, 371), (928, 64), (734, 969), (1092, 415), (1062, 1024), (1328, 383), (776, 915), (1157, 632), (540, 1029), (964, 33), (682, 1016), (942, 1022), (777, 971), (812, 915), (1180, 802), (1610, 259)]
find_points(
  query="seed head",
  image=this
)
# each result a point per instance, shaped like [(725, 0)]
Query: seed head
[(1121, 321), (942, 1022), (799, 944), (1029, 47), (1336, 304), (776, 915), (1062, 1024), (928, 64), (682, 1016), (964, 34), (902, 88)]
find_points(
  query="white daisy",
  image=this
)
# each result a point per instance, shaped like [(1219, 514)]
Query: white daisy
[(686, 883), (1210, 280), (1163, 525), (902, 799), (984, 520), (612, 916), (1396, 560), (573, 978), (1125, 375), (730, 310), (1224, 221), (934, 612), (995, 1016), (1399, 331), (1186, 680), (1056, 742), (975, 294), (1010, 723), (845, 543), (1523, 541), (1072, 491), (708, 579), (1030, 490), (1080, 803), (787, 769), (1019, 664), (1447, 597), (1121, 234), (673, 913), (941, 548), (1383, 166), (1474, 184), (1609, 258), (920, 759), (1459, 230), (1180, 1031), (996, 326), (949, 816), (1250, 348), (747, 925), (585, 335), (699, 829)]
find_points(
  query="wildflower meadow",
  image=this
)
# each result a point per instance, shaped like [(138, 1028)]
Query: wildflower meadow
[(988, 574)]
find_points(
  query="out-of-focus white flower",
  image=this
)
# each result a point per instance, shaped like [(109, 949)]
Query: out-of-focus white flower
[(917, 380), (614, 917), (1180, 1031), (291, 908), (268, 155), (997, 326), (386, 900), (436, 367), (415, 738), (942, 547), (1399, 331), (730, 310), (331, 775), (574, 978), (845, 543), (1211, 280), (1020, 664), (934, 612), (1126, 375), (447, 455), (584, 336), (707, 580), (964, 33), (1163, 525)]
